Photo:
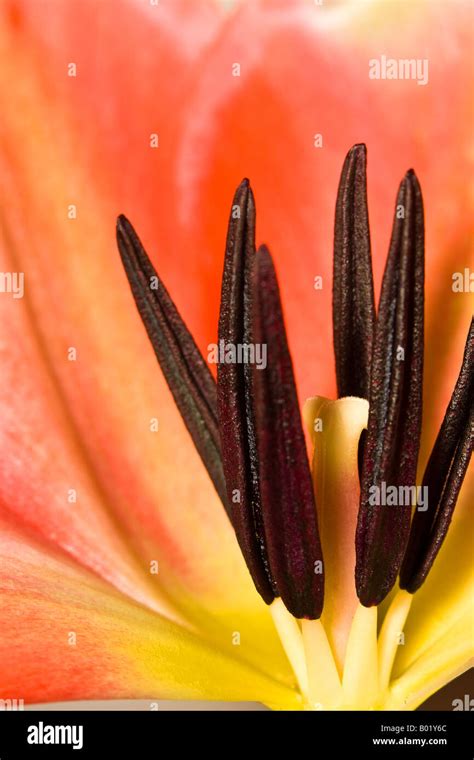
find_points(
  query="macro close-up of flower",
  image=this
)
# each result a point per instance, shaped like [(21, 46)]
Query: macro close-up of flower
[(272, 199)]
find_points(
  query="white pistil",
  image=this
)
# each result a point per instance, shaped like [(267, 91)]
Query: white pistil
[(325, 691), (292, 642), (389, 638), (360, 679)]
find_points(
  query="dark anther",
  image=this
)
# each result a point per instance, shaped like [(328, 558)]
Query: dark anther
[(288, 505), (353, 290), (186, 372), (395, 402), (235, 422), (443, 476), (264, 453)]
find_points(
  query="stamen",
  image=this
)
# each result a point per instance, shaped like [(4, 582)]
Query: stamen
[(264, 452), (395, 404), (443, 476), (186, 372), (239, 454), (353, 290), (288, 504)]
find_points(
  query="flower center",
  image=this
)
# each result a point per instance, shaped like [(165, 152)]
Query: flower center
[(248, 431)]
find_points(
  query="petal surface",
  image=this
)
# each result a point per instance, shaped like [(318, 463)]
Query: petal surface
[(85, 154), (66, 635)]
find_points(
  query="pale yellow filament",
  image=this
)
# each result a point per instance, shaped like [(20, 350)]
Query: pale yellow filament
[(292, 642), (360, 678), (325, 691), (391, 635)]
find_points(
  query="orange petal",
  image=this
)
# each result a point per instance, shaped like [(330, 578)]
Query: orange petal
[(76, 296), (66, 635), (46, 480)]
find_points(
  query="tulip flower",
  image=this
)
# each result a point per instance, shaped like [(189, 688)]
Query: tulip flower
[(159, 534)]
